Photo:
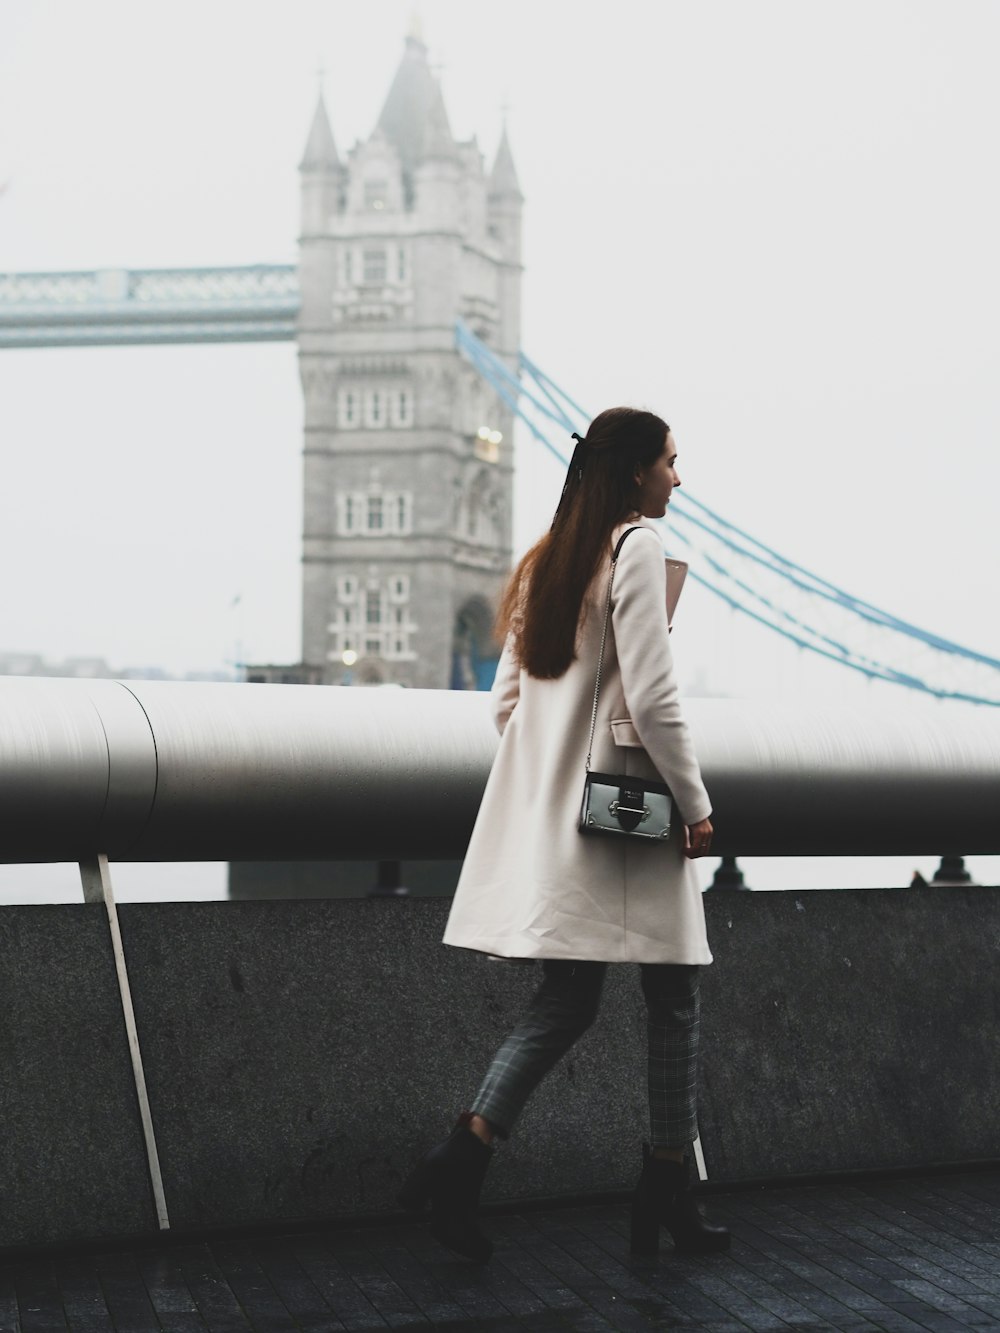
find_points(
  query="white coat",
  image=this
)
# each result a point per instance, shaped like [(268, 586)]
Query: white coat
[(532, 886)]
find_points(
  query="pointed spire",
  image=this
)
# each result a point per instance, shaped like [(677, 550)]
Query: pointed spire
[(416, 33), (321, 151), (503, 177), (438, 140), (414, 116)]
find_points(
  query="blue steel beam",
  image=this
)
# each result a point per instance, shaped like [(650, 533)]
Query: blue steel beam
[(112, 307)]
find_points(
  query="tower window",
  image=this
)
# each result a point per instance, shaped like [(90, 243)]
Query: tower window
[(348, 406), (375, 518), (375, 193), (402, 513), (373, 608), (375, 266), (346, 588), (376, 408), (349, 513)]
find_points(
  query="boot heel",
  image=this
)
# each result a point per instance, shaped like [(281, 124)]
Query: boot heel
[(644, 1234), (416, 1191)]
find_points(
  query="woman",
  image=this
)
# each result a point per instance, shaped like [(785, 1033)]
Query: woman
[(532, 886)]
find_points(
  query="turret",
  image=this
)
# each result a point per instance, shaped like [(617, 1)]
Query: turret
[(506, 200), (504, 204), (322, 176), (406, 510), (437, 178)]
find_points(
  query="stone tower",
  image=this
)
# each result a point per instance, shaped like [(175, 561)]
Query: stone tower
[(408, 454)]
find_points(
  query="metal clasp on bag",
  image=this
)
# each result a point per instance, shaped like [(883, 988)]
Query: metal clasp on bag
[(615, 806)]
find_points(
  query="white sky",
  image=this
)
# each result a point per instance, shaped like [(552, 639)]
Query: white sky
[(774, 223)]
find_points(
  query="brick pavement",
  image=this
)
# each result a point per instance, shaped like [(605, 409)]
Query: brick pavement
[(904, 1255)]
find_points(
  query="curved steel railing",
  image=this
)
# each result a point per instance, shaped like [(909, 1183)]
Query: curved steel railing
[(160, 771)]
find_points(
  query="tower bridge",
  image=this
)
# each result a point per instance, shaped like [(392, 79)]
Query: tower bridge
[(407, 515), (115, 307), (405, 309)]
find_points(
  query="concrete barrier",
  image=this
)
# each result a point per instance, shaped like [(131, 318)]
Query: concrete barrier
[(72, 1161), (300, 1055)]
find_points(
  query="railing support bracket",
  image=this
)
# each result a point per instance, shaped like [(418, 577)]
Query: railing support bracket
[(96, 878)]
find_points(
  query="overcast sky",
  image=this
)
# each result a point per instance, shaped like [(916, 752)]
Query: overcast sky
[(774, 223)]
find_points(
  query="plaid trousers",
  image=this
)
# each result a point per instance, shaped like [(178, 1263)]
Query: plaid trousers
[(562, 1009)]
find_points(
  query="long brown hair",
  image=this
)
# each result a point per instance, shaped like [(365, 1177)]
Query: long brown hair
[(542, 602)]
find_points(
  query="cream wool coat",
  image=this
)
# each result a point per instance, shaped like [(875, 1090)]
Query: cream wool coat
[(532, 886)]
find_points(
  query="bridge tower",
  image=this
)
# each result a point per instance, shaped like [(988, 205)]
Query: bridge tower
[(407, 508)]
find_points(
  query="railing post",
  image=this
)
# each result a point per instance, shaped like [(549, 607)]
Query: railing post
[(96, 878), (389, 881), (728, 876), (951, 871)]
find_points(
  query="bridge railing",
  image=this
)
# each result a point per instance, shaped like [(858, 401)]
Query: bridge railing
[(191, 771), (250, 303), (98, 770)]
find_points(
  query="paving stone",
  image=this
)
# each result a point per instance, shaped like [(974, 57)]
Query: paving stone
[(915, 1255)]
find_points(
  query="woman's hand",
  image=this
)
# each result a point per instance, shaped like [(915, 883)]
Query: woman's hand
[(698, 839)]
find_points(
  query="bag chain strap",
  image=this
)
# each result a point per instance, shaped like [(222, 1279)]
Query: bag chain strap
[(604, 637)]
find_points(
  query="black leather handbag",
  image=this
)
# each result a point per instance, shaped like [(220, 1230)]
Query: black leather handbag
[(616, 803)]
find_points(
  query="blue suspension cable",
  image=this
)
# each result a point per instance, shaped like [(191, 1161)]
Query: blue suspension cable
[(509, 388), (829, 591), (543, 379)]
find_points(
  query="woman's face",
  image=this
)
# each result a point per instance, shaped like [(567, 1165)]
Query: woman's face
[(655, 483)]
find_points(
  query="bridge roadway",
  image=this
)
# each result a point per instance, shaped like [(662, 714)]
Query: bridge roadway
[(904, 1253), (112, 307)]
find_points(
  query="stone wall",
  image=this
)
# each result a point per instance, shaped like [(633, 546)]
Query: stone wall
[(299, 1055)]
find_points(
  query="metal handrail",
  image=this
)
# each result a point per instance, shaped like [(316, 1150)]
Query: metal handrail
[(182, 771)]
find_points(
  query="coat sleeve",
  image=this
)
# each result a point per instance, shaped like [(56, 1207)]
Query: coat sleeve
[(649, 683), (506, 686)]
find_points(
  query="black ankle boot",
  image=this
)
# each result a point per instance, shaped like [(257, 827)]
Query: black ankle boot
[(450, 1178), (664, 1197)]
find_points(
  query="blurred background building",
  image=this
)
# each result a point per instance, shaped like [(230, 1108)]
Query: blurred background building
[(408, 458)]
